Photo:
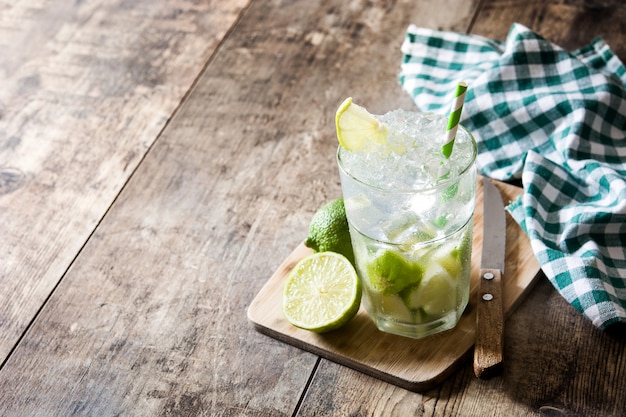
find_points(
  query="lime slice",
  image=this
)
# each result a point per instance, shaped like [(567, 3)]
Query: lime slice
[(455, 256), (322, 292), (436, 294), (357, 129), (391, 306), (390, 272)]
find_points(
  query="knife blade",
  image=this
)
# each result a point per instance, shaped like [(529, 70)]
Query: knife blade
[(488, 349)]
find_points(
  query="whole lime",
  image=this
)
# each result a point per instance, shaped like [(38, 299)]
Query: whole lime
[(329, 232)]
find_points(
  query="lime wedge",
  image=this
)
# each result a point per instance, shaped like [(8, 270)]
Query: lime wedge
[(436, 294), (328, 230), (322, 292), (449, 257), (391, 306), (357, 129), (390, 272)]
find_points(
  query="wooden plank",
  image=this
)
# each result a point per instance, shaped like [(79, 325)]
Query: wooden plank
[(416, 365), (570, 24), (85, 88), (150, 319)]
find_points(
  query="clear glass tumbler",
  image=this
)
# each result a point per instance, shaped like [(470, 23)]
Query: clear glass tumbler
[(413, 246)]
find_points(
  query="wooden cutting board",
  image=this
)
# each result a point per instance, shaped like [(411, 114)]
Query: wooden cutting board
[(412, 364)]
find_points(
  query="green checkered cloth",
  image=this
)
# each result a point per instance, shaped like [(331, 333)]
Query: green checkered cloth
[(557, 121)]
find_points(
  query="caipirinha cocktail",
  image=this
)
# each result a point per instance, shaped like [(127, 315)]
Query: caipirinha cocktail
[(410, 212)]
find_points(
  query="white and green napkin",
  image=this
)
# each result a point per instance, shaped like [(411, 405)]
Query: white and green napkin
[(557, 121)]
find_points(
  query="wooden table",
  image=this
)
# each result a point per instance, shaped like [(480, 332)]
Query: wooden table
[(159, 160)]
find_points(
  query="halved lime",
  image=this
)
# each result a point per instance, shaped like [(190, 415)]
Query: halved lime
[(322, 292), (357, 129)]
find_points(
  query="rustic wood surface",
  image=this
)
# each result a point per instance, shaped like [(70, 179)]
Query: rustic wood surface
[(85, 89), (159, 160)]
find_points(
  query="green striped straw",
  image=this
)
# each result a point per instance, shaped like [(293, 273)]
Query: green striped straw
[(453, 121)]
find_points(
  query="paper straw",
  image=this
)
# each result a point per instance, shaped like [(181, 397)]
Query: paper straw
[(453, 121)]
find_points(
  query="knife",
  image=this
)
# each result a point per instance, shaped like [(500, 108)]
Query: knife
[(488, 358)]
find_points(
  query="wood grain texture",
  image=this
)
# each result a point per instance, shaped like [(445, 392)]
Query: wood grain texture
[(569, 24), (416, 365), (85, 88), (149, 320)]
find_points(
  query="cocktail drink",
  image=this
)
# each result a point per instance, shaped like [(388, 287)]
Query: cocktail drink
[(410, 212)]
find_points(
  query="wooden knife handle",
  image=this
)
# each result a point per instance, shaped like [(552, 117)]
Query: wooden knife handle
[(488, 357)]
